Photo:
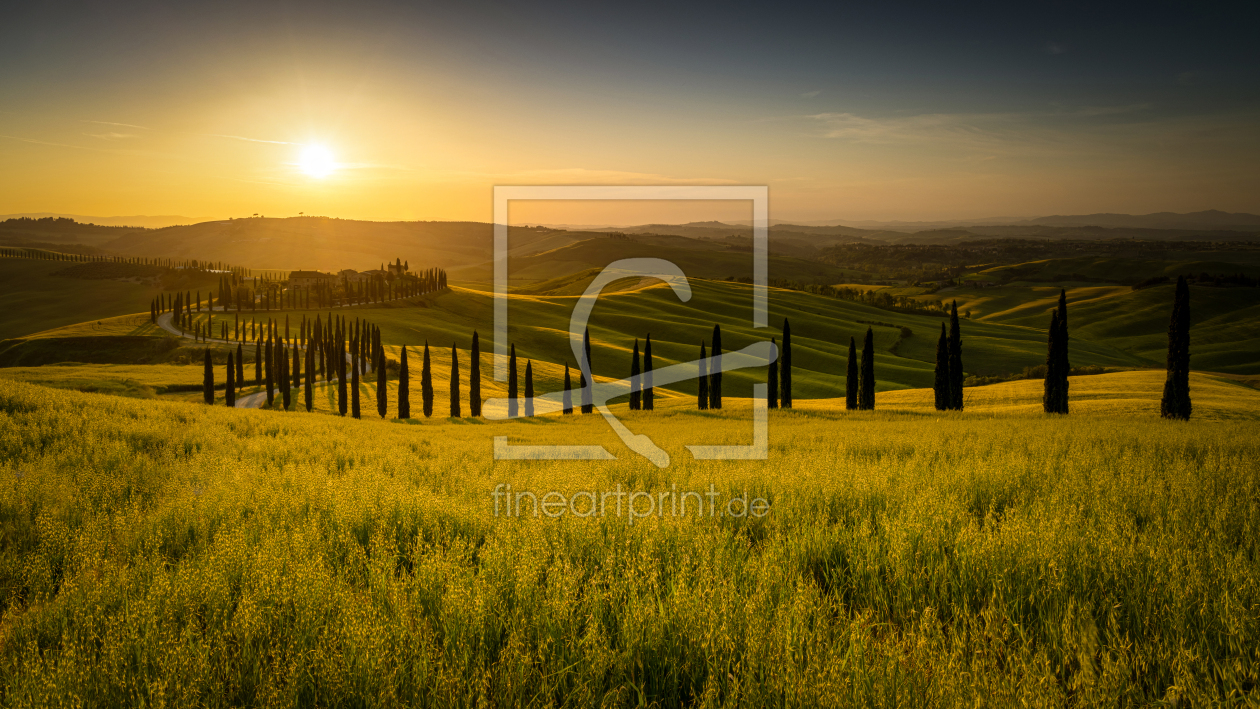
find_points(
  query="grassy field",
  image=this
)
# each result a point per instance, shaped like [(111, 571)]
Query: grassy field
[(165, 553), (33, 300)]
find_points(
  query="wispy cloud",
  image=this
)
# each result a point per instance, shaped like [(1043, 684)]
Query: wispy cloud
[(252, 140), (811, 94), (45, 142), (121, 125), (1055, 48), (111, 135), (583, 176)]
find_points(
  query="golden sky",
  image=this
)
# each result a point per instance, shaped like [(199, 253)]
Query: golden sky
[(146, 109)]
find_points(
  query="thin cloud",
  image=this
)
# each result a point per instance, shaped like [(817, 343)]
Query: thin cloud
[(583, 176), (121, 125), (252, 140), (44, 142), (811, 94), (111, 136)]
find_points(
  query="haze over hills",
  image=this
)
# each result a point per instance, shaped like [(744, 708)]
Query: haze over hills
[(145, 221), (1211, 219)]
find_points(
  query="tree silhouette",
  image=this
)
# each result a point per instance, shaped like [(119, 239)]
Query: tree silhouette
[(866, 390), (1175, 403)]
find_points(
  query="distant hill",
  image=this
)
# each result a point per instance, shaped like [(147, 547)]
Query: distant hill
[(148, 222), (1210, 219), (328, 244)]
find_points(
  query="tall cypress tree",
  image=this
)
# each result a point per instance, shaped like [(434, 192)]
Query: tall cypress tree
[(268, 353), (454, 382), (309, 385), (649, 402), (354, 390), (258, 361), (702, 389), (955, 361), (1065, 366), (297, 366), (940, 384), (852, 378), (382, 392), (529, 388), (636, 395), (283, 361), (229, 389), (568, 391), (1050, 391), (340, 356), (404, 381), (474, 378), (426, 384), (866, 390), (207, 385), (588, 383), (513, 408), (240, 366), (1175, 403), (715, 371), (772, 379), (786, 369)]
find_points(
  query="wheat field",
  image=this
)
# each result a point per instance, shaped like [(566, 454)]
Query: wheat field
[(161, 553)]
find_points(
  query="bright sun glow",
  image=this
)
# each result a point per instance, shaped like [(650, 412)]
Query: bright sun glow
[(316, 161)]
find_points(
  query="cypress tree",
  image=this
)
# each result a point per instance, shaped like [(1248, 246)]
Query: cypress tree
[(404, 381), (940, 384), (297, 367), (648, 403), (587, 368), (1065, 366), (354, 391), (636, 395), (529, 388), (283, 360), (426, 384), (866, 389), (715, 371), (1175, 403), (955, 361), (474, 378), (258, 360), (229, 388), (568, 391), (454, 381), (786, 369), (1050, 390), (851, 377), (702, 387), (512, 403), (240, 366), (208, 384), (382, 392), (340, 355), (309, 388), (268, 352), (772, 380)]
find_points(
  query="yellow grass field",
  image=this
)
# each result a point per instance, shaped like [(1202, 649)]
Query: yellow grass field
[(163, 553)]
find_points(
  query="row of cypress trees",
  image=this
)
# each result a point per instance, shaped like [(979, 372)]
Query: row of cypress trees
[(364, 345)]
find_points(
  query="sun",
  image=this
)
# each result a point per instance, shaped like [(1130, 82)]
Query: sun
[(316, 161)]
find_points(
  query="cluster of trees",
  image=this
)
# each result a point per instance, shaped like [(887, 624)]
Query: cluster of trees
[(1216, 280), (185, 264)]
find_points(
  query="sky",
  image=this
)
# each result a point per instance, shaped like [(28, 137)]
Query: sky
[(387, 111)]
